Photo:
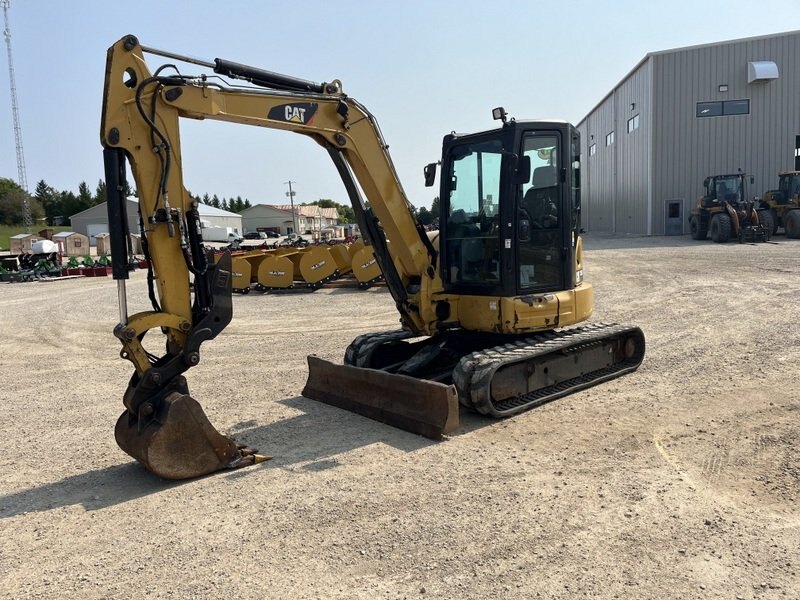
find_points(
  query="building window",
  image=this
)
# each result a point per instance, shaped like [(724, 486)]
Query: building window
[(736, 107), (633, 123), (610, 139), (592, 149), (726, 108), (709, 109), (77, 243)]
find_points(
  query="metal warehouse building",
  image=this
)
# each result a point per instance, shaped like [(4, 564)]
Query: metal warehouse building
[(681, 115)]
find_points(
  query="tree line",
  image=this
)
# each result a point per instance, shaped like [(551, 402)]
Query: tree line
[(57, 206)]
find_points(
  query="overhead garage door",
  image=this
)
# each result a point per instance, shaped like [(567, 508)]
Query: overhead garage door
[(92, 229)]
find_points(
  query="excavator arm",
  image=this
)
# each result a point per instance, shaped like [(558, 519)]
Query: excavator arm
[(141, 113), (162, 426)]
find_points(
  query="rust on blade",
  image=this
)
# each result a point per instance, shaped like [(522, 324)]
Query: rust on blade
[(426, 408)]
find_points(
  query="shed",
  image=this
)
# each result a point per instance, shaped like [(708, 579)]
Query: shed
[(72, 243), (94, 220), (103, 243), (21, 243)]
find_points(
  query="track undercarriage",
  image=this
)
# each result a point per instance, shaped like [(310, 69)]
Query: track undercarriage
[(492, 375)]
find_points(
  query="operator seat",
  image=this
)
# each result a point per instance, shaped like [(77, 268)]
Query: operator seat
[(540, 200)]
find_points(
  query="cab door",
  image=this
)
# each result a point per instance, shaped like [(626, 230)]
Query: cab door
[(541, 229)]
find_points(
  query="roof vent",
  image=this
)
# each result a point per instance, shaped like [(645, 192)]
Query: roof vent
[(761, 70)]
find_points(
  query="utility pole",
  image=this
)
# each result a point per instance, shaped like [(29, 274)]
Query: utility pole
[(21, 175), (291, 195)]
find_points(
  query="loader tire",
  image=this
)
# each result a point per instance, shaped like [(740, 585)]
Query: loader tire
[(698, 230), (720, 228), (767, 220), (791, 224)]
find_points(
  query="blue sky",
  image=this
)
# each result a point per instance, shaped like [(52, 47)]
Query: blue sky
[(422, 68)]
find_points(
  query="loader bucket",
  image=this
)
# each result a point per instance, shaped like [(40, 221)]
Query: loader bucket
[(276, 272), (178, 441), (317, 265), (426, 408), (355, 247), (341, 257), (365, 267), (241, 269)]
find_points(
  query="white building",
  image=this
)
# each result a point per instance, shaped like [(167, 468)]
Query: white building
[(278, 218), (94, 220)]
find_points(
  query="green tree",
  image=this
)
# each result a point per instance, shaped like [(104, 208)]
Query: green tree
[(224, 205), (206, 199), (100, 195), (70, 204), (8, 185), (345, 212), (215, 201), (12, 203), (85, 197), (247, 203), (424, 216), (435, 208), (50, 200)]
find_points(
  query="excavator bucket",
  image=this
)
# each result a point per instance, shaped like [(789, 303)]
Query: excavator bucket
[(178, 441), (426, 408)]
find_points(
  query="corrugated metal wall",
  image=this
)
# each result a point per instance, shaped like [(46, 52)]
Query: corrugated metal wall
[(616, 178), (627, 185), (686, 148)]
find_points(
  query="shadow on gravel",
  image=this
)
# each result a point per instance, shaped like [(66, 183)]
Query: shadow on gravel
[(316, 435), (93, 490), (313, 438)]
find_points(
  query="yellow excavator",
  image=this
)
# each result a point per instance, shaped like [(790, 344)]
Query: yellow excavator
[(483, 303)]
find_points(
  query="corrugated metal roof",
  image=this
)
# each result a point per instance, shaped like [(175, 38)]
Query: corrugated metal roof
[(64, 234), (22, 236), (204, 209)]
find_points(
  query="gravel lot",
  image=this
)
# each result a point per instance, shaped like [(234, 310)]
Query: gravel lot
[(681, 480)]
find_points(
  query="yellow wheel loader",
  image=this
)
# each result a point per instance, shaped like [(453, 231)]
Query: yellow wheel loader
[(725, 213), (485, 306), (783, 204)]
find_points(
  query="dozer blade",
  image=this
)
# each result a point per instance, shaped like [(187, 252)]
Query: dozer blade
[(179, 442), (423, 407)]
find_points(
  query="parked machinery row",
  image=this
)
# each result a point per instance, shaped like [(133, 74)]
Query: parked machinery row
[(724, 212), (783, 204), (303, 268)]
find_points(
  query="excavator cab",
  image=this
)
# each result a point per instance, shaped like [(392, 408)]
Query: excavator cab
[(510, 210)]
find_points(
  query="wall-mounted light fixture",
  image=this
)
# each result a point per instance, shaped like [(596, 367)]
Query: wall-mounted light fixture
[(633, 105), (723, 87)]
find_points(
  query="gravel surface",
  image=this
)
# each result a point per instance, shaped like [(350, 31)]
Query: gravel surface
[(681, 480)]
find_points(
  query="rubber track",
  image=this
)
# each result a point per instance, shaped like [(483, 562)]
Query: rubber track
[(359, 352), (474, 373)]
